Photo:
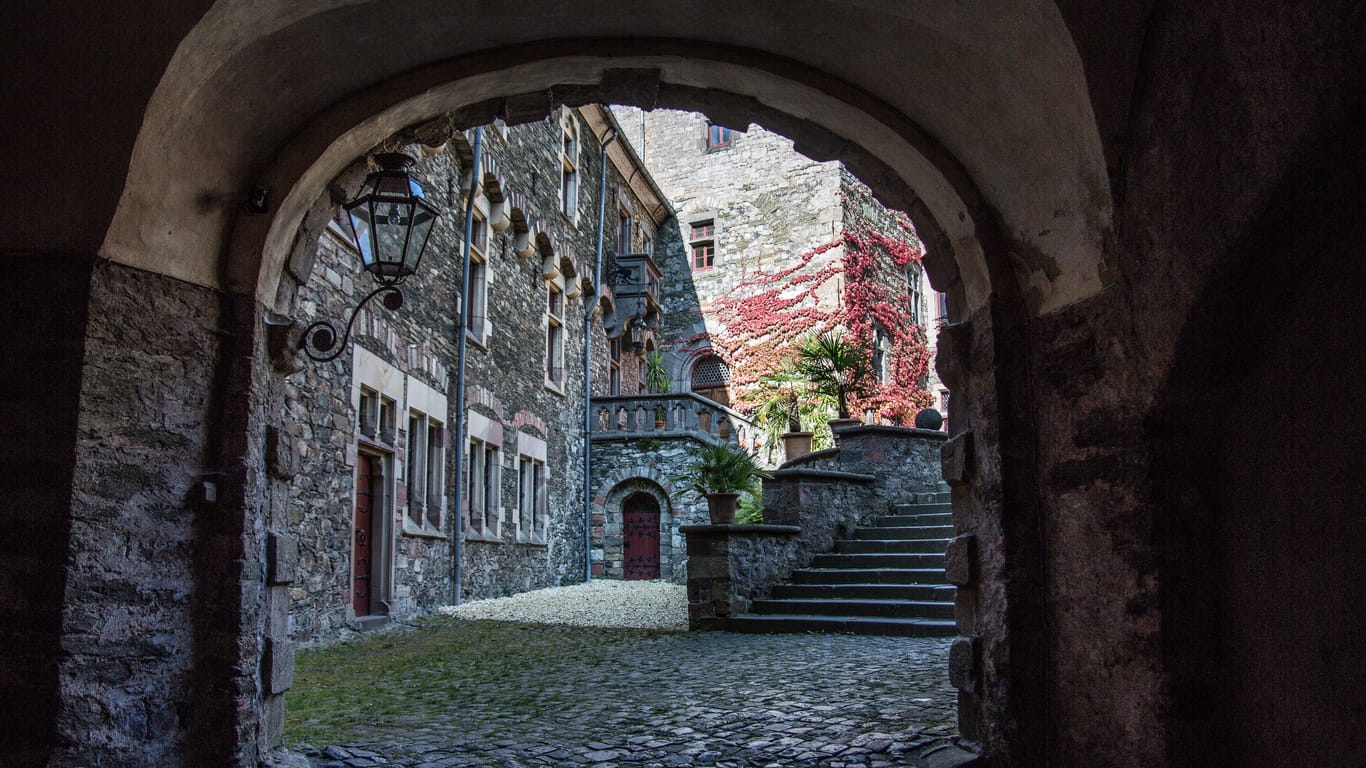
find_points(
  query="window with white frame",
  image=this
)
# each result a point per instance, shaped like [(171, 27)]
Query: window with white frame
[(416, 467), (614, 366), (647, 244), (475, 324), (915, 296), (569, 165), (425, 467), (531, 489), (481, 488), (388, 409), (882, 355), (624, 232), (436, 473), (368, 412), (554, 336)]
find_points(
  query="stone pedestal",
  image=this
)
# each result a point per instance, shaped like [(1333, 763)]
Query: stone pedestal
[(726, 563)]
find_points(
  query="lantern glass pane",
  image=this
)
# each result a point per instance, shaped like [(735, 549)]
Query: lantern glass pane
[(391, 236), (360, 215), (423, 220)]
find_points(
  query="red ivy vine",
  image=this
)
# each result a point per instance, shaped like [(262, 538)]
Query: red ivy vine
[(760, 323)]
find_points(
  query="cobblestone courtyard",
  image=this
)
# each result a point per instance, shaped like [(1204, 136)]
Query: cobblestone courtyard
[(483, 693)]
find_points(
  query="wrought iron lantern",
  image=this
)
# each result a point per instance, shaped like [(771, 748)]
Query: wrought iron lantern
[(391, 221), (636, 331)]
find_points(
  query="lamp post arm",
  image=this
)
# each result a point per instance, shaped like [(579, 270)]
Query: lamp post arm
[(322, 334)]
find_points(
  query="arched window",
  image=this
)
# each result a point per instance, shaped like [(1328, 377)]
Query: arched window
[(711, 379)]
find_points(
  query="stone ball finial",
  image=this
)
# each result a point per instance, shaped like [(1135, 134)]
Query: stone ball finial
[(928, 418)]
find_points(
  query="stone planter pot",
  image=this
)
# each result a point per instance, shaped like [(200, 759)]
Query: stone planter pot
[(721, 507), (838, 424), (796, 444)]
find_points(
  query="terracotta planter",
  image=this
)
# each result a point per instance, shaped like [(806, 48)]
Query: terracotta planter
[(721, 507), (796, 444)]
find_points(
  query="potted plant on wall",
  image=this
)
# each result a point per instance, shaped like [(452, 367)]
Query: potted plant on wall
[(720, 473), (780, 411), (657, 381), (837, 368)]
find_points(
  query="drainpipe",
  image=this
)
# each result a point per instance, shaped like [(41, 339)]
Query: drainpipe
[(588, 369), (458, 528)]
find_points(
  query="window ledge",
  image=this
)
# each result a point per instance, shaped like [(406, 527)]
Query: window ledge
[(422, 532), (478, 341), (533, 541), (553, 387), (474, 536)]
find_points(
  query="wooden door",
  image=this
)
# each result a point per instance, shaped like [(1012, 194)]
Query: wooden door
[(640, 537), (362, 535)]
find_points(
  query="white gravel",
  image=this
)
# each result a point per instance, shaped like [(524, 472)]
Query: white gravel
[(598, 603)]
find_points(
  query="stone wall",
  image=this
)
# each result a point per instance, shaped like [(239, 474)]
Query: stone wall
[(41, 376), (903, 460), (144, 477)]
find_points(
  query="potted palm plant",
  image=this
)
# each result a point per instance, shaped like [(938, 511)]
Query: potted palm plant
[(720, 473), (837, 368), (779, 411), (657, 381)]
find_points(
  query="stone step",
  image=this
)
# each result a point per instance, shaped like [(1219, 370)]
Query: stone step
[(880, 561), (856, 625), (930, 497), (890, 546), (900, 609), (931, 592), (928, 518), (869, 576), (904, 508), (906, 532)]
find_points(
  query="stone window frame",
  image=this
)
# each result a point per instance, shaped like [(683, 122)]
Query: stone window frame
[(479, 327), (555, 332), (570, 145), (430, 406), (703, 232), (915, 293), (614, 367), (625, 230), (882, 354), (484, 442), (533, 482)]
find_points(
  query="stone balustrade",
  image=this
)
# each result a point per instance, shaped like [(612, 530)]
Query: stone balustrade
[(684, 415)]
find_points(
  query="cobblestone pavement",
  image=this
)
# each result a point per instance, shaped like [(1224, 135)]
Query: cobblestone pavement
[(557, 696)]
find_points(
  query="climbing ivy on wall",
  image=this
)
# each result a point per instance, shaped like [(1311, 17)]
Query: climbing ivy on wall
[(866, 286)]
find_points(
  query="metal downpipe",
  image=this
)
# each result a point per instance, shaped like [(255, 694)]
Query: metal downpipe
[(458, 527), (588, 368)]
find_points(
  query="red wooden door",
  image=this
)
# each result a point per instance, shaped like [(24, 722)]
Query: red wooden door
[(640, 537), (362, 536)]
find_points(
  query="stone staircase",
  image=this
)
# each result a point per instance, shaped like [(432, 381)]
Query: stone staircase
[(886, 580)]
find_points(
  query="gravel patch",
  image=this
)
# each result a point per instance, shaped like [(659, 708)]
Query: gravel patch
[(599, 603)]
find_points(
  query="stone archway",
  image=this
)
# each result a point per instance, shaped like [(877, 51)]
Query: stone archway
[(968, 217), (608, 509)]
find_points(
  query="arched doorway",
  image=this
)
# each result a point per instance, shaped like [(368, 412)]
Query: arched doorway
[(640, 537)]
